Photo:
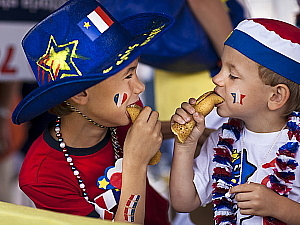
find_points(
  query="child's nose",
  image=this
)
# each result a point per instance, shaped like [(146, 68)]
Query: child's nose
[(139, 87), (218, 80)]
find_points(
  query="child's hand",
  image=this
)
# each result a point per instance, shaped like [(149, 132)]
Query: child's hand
[(185, 114), (144, 138), (256, 199)]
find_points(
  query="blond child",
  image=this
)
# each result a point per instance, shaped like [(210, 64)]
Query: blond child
[(249, 167)]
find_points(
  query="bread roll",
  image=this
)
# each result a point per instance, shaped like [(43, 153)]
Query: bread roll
[(204, 105)]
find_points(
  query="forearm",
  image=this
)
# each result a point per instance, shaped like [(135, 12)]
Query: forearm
[(213, 17), (183, 194), (133, 187), (287, 211)]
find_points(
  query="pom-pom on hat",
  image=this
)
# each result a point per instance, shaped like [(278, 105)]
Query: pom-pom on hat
[(271, 43), (78, 46)]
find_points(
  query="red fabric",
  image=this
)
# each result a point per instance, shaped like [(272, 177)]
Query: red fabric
[(47, 179)]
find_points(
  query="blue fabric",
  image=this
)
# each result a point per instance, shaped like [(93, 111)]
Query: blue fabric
[(185, 47), (65, 61)]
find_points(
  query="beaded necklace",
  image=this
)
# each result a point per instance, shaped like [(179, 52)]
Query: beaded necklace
[(116, 146), (281, 180)]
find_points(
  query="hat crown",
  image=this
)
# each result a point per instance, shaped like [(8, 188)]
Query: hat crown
[(271, 43), (284, 30), (68, 44)]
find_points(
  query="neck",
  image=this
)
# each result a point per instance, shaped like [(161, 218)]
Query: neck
[(77, 132), (265, 124)]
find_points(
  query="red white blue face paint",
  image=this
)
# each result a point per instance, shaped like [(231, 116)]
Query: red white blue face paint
[(238, 97), (119, 99), (130, 207)]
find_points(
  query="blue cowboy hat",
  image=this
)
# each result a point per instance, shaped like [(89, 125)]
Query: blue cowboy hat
[(78, 46)]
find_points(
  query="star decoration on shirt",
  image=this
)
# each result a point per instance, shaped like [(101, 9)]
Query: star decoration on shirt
[(58, 60), (242, 168), (248, 168), (103, 183), (112, 178)]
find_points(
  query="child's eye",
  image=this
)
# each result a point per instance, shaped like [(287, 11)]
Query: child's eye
[(232, 77), (129, 76)]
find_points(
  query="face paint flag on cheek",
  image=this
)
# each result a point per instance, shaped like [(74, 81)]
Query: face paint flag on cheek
[(238, 97), (119, 99)]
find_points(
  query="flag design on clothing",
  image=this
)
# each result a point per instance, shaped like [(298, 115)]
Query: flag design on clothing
[(104, 214), (238, 97), (130, 207), (108, 199), (95, 23)]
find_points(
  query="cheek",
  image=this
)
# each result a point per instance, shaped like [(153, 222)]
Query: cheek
[(120, 98), (237, 97)]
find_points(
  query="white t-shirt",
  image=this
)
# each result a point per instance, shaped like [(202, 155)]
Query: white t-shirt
[(256, 154)]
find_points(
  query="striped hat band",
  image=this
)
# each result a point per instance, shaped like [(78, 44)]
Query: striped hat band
[(271, 43)]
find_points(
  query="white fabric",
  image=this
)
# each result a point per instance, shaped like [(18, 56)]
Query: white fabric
[(98, 21), (270, 39), (257, 145)]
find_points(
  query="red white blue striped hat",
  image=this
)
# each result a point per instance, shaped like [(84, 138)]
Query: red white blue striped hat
[(271, 43)]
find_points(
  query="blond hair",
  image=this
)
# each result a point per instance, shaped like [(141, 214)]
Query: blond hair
[(61, 110), (271, 78)]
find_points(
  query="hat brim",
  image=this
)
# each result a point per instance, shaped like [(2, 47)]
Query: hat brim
[(47, 96)]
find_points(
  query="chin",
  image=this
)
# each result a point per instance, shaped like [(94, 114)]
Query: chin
[(124, 122), (219, 112), (223, 113)]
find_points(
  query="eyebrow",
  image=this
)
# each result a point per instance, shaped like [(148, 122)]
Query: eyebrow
[(130, 69), (234, 67)]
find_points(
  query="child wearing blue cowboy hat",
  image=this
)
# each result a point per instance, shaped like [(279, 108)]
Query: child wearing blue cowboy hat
[(89, 162), (249, 168)]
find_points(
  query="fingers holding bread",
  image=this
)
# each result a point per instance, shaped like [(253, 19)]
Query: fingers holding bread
[(203, 105), (133, 111)]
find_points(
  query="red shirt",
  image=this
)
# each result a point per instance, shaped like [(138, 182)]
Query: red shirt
[(49, 182)]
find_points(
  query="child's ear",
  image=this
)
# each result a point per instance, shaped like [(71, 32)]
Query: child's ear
[(81, 98), (280, 95)]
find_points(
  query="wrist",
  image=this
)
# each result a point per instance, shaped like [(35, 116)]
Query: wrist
[(186, 147), (134, 165), (283, 210)]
